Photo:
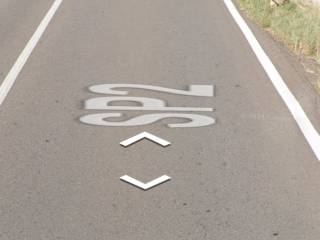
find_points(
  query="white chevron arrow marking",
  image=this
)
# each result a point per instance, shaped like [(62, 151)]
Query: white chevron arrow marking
[(144, 135), (145, 186)]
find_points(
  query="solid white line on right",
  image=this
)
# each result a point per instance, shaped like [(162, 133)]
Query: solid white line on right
[(26, 52), (295, 108)]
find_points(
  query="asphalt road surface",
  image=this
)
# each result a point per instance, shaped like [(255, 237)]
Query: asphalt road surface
[(249, 175)]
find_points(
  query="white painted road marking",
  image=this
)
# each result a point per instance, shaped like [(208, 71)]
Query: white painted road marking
[(91, 106), (194, 90), (195, 120), (147, 104), (295, 108), (145, 186), (144, 135), (25, 54)]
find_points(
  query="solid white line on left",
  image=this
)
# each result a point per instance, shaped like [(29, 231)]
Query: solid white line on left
[(10, 79)]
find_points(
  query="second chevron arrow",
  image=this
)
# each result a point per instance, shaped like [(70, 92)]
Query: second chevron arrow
[(145, 186)]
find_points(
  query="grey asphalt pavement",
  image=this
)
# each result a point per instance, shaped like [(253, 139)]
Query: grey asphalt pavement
[(251, 175)]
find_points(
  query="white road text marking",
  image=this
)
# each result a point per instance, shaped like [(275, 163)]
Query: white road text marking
[(195, 120), (145, 104), (194, 90)]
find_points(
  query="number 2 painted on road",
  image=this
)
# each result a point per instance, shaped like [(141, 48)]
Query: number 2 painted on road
[(194, 90)]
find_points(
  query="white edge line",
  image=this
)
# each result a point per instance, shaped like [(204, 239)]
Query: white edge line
[(24, 55), (305, 125)]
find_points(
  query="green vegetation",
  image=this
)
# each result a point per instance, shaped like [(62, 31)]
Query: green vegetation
[(298, 26)]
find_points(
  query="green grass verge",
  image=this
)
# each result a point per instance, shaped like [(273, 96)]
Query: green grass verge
[(298, 27)]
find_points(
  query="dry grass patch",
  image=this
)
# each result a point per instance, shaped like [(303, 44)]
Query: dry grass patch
[(298, 26)]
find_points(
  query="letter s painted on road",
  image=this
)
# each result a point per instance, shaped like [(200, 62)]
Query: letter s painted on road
[(195, 120)]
